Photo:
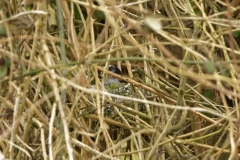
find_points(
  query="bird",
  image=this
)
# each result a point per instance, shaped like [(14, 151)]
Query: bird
[(118, 87), (114, 85)]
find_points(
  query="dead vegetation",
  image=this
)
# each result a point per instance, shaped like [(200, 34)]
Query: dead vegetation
[(179, 58)]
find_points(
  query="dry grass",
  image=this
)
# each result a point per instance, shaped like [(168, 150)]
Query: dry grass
[(184, 79)]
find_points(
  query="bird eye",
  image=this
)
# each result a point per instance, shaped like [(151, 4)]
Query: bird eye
[(99, 74), (112, 68)]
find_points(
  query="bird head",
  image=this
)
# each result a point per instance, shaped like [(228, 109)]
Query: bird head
[(109, 79)]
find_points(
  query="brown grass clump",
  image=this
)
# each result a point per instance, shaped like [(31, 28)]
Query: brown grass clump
[(180, 64)]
